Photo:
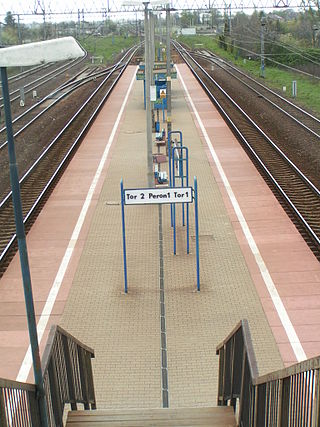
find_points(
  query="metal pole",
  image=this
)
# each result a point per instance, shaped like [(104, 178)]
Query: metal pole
[(263, 23), (148, 102), (174, 206), (19, 30), (20, 232), (78, 23), (124, 239), (82, 23), (187, 184), (44, 26), (152, 47), (168, 70), (197, 230)]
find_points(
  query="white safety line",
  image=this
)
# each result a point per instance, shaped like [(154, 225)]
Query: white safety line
[(46, 312), (282, 313)]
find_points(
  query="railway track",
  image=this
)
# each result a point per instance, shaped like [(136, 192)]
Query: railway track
[(28, 118), (302, 117), (297, 194), (40, 178), (42, 80)]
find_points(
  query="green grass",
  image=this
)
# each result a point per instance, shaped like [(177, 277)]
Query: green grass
[(308, 89), (107, 47)]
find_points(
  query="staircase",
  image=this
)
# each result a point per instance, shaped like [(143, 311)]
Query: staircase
[(221, 416)]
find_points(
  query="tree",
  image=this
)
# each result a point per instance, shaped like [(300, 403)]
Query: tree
[(187, 19), (10, 20)]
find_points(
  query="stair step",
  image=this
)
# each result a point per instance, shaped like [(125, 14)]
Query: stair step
[(221, 416)]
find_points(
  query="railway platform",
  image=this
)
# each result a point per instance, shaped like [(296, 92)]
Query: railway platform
[(152, 352)]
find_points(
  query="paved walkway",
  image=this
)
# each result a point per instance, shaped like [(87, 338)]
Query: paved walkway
[(125, 330)]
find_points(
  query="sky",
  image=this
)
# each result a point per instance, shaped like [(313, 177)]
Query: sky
[(28, 7)]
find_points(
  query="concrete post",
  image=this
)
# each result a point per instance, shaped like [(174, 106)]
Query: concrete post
[(152, 45), (168, 70), (263, 23), (148, 102)]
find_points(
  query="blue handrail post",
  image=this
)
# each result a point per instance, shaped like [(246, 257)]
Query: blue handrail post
[(174, 230), (187, 184), (163, 111), (174, 207), (124, 239), (170, 172), (23, 253), (197, 230), (181, 173)]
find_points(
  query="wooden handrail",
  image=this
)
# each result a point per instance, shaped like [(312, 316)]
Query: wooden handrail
[(288, 394), (67, 375), (4, 383), (298, 368)]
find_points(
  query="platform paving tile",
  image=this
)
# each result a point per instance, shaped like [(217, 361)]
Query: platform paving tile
[(123, 329), (197, 322)]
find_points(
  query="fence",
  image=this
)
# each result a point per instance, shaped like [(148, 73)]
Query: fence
[(288, 397), (68, 378)]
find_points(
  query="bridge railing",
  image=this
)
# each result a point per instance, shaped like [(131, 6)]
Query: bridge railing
[(288, 397), (68, 379)]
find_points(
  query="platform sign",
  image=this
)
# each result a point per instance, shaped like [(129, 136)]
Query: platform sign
[(163, 93), (145, 196), (169, 195), (153, 93)]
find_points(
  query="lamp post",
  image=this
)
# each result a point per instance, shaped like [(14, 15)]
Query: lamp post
[(262, 68), (168, 70), (26, 55), (148, 101), (149, 59)]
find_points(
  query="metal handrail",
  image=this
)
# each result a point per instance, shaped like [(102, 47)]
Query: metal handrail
[(287, 397), (68, 379)]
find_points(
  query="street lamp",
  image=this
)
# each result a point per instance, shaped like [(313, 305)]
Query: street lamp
[(148, 74), (19, 56)]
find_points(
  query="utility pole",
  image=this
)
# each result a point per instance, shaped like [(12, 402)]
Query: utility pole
[(168, 69), (19, 30), (152, 47), (44, 25), (78, 32), (148, 71), (83, 23), (263, 23)]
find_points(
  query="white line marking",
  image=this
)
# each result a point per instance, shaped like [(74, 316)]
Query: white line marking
[(282, 313), (46, 312)]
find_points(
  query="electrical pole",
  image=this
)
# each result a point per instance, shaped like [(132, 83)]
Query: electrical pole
[(152, 46), (148, 71), (19, 30), (44, 25), (78, 23), (83, 23), (168, 69), (263, 23)]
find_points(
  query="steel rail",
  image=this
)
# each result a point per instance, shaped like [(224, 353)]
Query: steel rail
[(216, 62), (50, 95), (41, 197), (40, 80), (234, 127), (30, 71), (71, 86)]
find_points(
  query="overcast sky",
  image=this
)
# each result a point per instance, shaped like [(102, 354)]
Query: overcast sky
[(64, 6)]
